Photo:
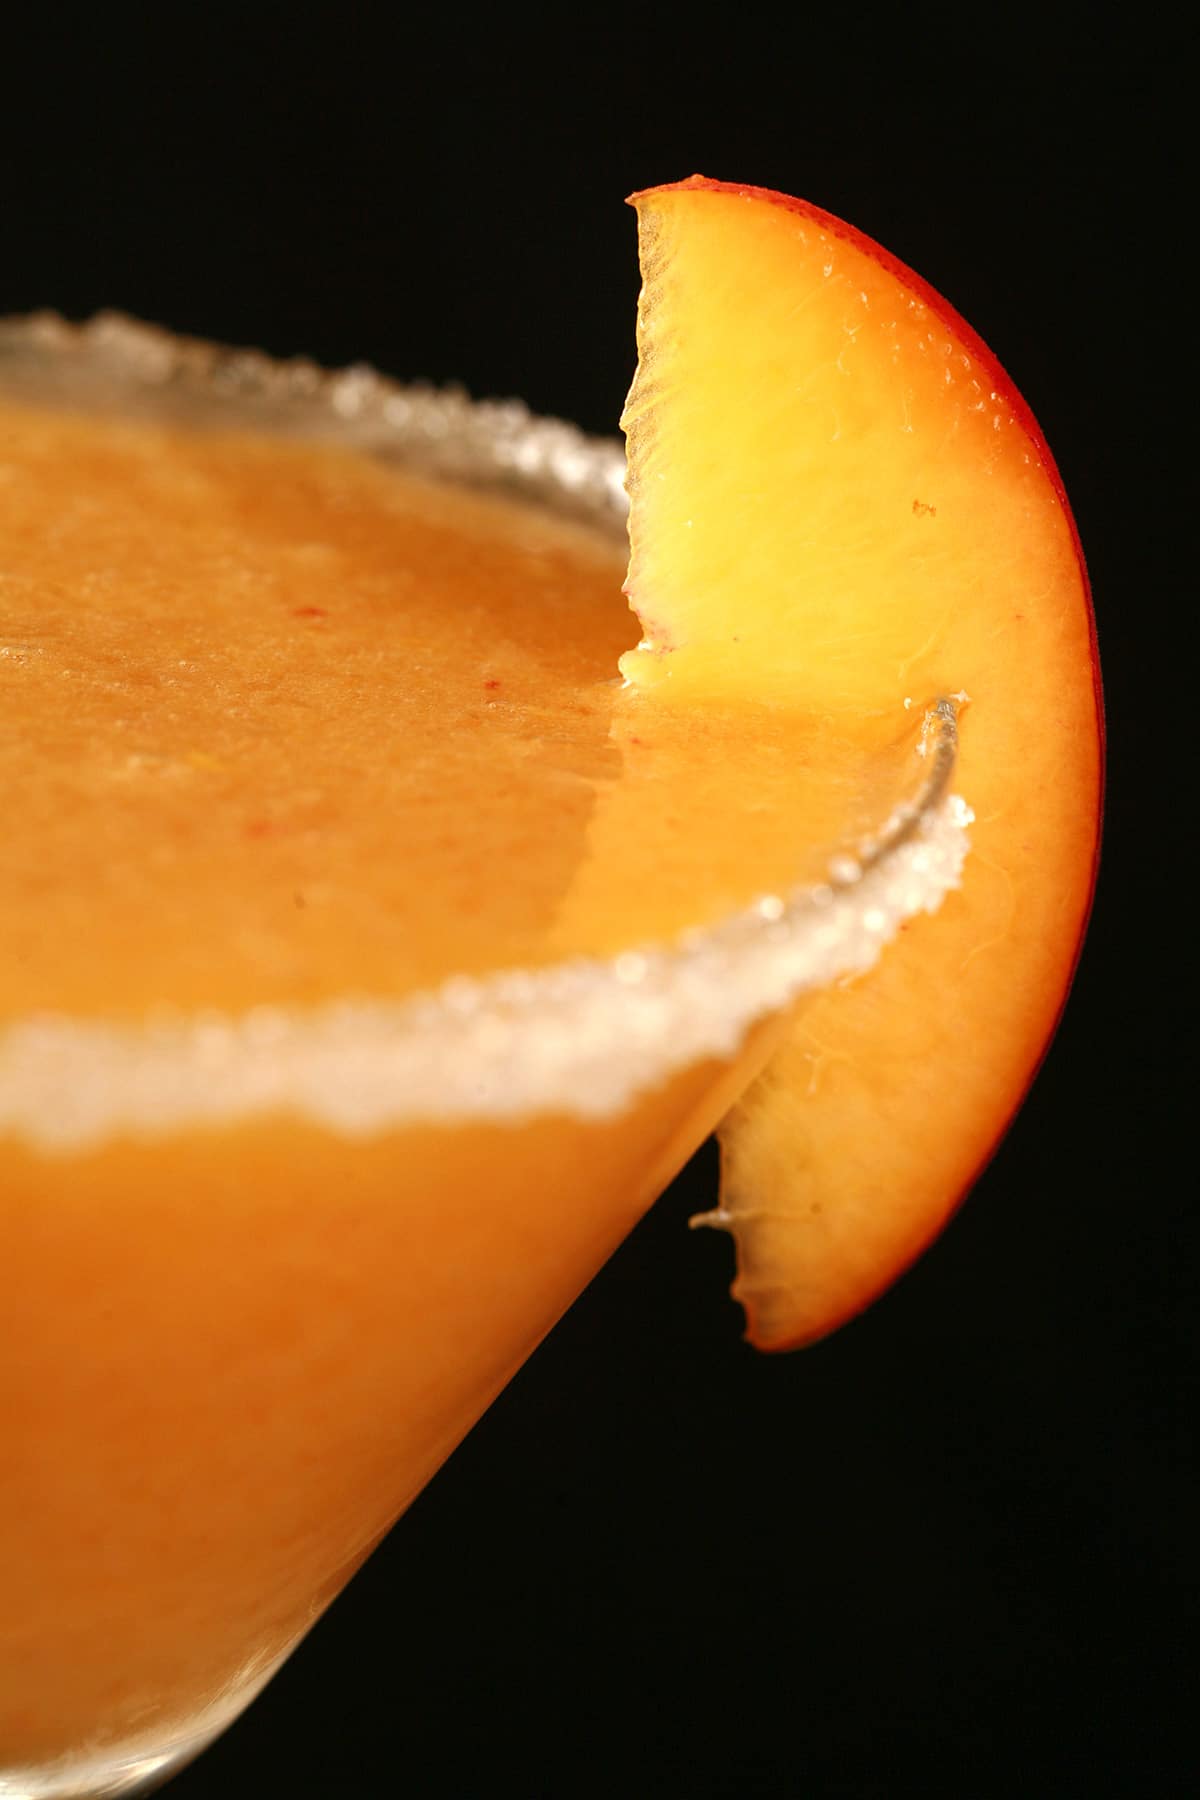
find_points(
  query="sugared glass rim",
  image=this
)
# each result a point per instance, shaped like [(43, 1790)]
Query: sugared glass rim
[(584, 1036)]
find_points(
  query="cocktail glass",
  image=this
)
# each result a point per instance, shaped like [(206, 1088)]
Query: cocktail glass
[(245, 1258)]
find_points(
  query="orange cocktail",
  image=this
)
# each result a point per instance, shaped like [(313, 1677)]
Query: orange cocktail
[(293, 1174)]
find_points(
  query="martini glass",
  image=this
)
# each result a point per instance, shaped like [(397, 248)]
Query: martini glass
[(245, 1253)]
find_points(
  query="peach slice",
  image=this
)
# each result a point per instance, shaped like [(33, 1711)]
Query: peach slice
[(840, 502)]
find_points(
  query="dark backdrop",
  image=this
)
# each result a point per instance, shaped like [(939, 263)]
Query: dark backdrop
[(943, 1552)]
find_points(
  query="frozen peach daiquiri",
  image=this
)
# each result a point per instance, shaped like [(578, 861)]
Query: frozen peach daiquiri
[(382, 929)]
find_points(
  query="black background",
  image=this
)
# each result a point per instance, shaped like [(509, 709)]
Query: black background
[(943, 1552)]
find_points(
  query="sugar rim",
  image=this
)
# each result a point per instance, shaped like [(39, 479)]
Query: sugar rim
[(582, 1037)]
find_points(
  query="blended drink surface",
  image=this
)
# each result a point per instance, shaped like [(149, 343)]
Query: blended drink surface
[(288, 724)]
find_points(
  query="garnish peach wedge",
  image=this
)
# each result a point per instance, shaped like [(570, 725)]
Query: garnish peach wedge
[(840, 502)]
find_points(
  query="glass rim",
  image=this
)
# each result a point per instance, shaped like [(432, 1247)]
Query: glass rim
[(585, 1036), (441, 431)]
